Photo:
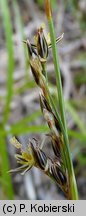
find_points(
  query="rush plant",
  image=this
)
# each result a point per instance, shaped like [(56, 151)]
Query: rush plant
[(60, 169)]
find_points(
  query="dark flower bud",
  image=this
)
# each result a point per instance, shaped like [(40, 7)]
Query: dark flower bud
[(56, 144), (54, 173), (35, 65), (42, 46), (45, 105), (39, 156), (62, 177), (57, 124), (42, 158), (58, 174), (31, 50)]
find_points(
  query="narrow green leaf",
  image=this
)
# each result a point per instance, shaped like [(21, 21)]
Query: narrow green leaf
[(25, 130), (19, 24), (6, 182), (76, 117), (77, 135), (9, 44), (7, 188), (27, 119)]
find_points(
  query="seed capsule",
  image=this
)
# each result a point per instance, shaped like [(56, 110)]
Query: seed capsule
[(40, 157), (54, 173), (31, 50), (56, 144), (45, 105), (58, 174), (62, 177), (42, 46), (57, 124)]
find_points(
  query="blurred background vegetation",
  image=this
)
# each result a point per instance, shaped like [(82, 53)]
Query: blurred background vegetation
[(20, 113)]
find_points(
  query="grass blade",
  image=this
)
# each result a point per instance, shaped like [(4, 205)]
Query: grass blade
[(66, 149), (19, 24), (7, 188), (9, 44), (25, 130), (76, 118), (6, 179)]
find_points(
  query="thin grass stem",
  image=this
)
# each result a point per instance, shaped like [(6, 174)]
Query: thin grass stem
[(7, 188), (10, 70), (72, 182), (6, 178)]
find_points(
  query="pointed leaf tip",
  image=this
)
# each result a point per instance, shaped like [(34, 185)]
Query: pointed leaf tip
[(48, 8)]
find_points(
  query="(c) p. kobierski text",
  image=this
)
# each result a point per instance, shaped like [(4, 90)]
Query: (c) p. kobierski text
[(52, 208)]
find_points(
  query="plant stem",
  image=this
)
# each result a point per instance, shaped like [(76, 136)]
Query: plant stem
[(6, 178), (72, 182), (10, 67)]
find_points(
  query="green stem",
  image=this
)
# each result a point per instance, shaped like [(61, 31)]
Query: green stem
[(72, 181), (10, 67), (6, 179), (57, 72), (6, 183)]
